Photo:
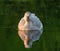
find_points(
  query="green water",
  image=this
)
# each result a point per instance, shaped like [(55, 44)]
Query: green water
[(12, 11)]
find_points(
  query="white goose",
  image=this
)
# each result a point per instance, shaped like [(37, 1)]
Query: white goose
[(30, 29)]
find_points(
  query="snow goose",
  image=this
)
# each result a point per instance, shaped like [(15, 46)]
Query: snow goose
[(30, 29)]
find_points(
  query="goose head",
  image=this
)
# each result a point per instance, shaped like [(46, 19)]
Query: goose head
[(26, 16)]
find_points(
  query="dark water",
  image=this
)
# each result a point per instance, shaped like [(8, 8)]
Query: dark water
[(11, 12)]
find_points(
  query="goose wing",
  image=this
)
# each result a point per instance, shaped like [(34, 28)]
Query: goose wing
[(35, 20)]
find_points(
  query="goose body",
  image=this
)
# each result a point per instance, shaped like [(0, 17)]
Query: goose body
[(30, 29)]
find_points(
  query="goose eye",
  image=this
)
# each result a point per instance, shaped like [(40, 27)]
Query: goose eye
[(28, 16)]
